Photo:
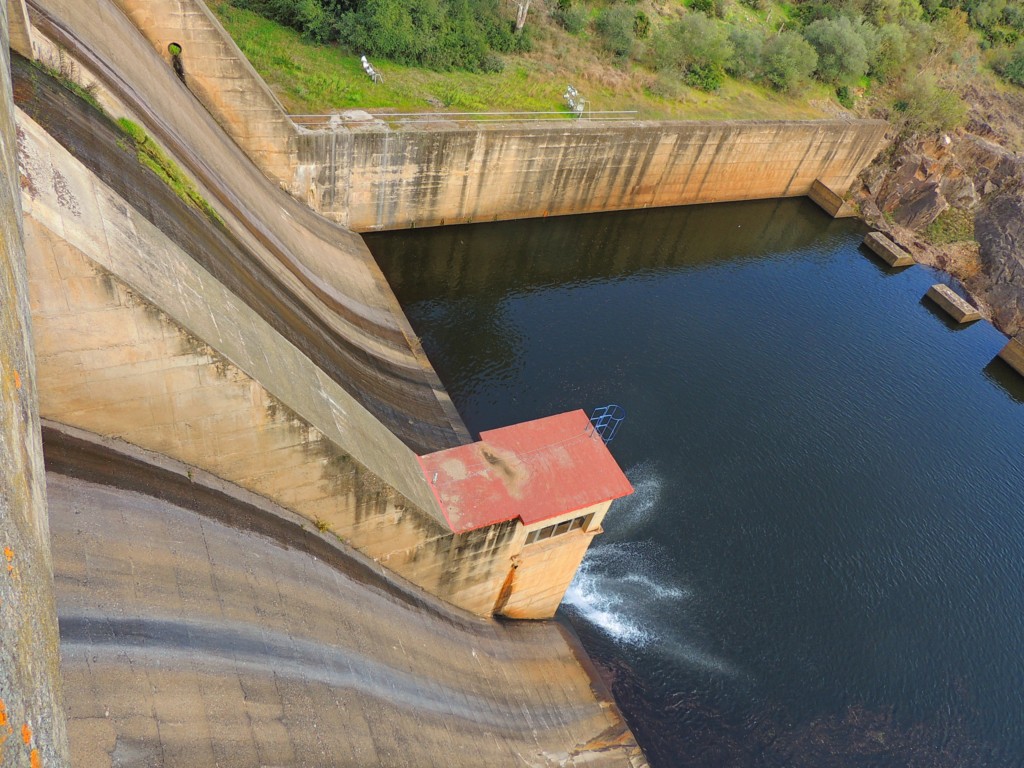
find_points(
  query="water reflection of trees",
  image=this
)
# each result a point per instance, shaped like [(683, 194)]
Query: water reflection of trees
[(490, 260), (452, 278)]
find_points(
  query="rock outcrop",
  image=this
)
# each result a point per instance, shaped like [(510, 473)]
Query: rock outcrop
[(966, 178)]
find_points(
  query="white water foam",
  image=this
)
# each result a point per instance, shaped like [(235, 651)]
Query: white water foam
[(623, 589), (594, 597), (634, 510)]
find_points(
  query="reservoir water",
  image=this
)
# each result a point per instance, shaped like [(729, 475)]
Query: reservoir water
[(823, 562)]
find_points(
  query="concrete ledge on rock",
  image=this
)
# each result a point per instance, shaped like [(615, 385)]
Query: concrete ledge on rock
[(955, 306), (831, 202), (887, 250), (1013, 353)]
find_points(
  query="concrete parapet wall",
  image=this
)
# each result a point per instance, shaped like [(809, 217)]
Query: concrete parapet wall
[(135, 340), (374, 178), (378, 178), (32, 723)]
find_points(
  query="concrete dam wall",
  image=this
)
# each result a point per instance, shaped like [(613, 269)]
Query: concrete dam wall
[(377, 178), (32, 722), (190, 356), (189, 337), (314, 281), (368, 176), (197, 632), (259, 354)]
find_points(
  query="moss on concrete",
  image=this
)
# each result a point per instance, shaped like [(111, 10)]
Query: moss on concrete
[(152, 156)]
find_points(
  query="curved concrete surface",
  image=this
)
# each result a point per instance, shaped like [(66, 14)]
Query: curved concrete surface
[(200, 623), (189, 639), (327, 268), (98, 144)]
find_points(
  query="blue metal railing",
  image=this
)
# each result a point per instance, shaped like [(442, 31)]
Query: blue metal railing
[(606, 421)]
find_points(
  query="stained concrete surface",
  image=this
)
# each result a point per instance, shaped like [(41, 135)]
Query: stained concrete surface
[(32, 728), (383, 384), (186, 641), (326, 266)]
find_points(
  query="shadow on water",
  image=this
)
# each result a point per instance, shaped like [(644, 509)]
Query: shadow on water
[(493, 260), (1002, 374), (879, 263), (942, 316)]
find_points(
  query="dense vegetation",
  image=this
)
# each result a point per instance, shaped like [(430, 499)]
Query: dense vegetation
[(915, 52), (439, 34)]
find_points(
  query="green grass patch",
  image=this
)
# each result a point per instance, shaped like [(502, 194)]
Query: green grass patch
[(953, 225), (66, 77), (153, 157)]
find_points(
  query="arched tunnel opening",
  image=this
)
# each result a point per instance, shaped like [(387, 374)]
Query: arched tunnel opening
[(174, 49)]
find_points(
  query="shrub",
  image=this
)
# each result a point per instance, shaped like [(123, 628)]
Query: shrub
[(844, 96), (570, 18), (492, 62), (950, 30), (891, 53), (705, 76), (881, 12), (441, 34), (788, 61), (810, 11), (315, 21), (695, 48), (747, 44), (641, 25), (1013, 16), (715, 8), (984, 14), (842, 51), (615, 26), (926, 107), (667, 86), (1011, 66)]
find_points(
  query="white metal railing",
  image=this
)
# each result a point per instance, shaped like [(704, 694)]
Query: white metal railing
[(473, 117)]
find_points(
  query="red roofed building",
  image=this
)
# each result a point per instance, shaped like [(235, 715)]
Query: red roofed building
[(555, 477)]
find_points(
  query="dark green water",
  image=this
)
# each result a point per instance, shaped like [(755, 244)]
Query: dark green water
[(823, 562)]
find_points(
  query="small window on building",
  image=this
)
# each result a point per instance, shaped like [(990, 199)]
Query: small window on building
[(576, 524)]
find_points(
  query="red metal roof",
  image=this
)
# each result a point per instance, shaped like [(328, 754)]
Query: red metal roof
[(535, 471)]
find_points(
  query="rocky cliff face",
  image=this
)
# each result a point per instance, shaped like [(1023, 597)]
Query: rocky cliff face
[(957, 202)]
